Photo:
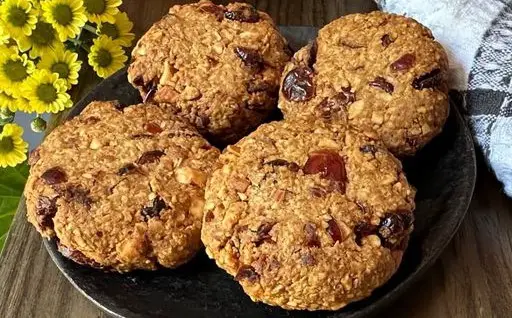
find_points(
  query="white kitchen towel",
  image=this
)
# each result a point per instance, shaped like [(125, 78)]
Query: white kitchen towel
[(477, 34)]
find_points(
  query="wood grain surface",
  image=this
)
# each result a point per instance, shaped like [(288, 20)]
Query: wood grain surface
[(473, 278)]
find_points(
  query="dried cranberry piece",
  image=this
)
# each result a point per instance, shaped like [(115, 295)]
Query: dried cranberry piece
[(394, 229), (362, 230), (34, 156), (54, 175), (157, 205), (351, 45), (138, 81), (336, 104), (251, 57), (126, 169), (153, 128), (208, 217), (262, 234), (150, 157), (77, 256), (150, 90), (78, 194), (45, 211), (119, 106), (141, 136), (292, 166), (91, 120), (245, 13), (308, 259), (312, 239), (368, 149), (247, 272), (256, 87), (334, 230), (313, 51), (329, 165), (318, 192), (386, 40), (380, 82), (428, 80), (298, 84), (404, 63), (217, 11)]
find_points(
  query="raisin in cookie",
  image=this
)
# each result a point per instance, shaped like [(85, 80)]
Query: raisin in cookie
[(121, 189), (308, 216), (218, 66), (384, 73)]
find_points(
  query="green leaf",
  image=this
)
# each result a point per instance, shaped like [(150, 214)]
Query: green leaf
[(12, 182)]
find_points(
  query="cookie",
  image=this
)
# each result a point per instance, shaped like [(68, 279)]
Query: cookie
[(217, 66), (308, 215), (121, 188), (383, 73)]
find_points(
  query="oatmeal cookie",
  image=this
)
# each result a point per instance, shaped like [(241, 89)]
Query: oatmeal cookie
[(383, 73), (218, 66), (308, 216), (121, 188)]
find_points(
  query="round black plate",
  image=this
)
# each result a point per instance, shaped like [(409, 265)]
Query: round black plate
[(444, 173)]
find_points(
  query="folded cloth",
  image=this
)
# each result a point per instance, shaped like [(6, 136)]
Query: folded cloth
[(477, 35)]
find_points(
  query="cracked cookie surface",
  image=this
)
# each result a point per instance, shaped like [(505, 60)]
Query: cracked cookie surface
[(307, 215), (217, 66), (121, 188), (383, 73)]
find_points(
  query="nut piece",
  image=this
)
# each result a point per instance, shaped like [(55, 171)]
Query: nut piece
[(240, 184), (95, 144), (187, 175), (191, 93)]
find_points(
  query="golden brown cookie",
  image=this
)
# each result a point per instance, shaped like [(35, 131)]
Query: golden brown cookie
[(308, 216), (218, 66), (383, 73), (121, 188)]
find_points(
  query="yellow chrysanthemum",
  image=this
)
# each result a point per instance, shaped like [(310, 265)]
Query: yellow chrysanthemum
[(106, 56), (63, 62), (119, 31), (23, 105), (101, 10), (66, 16), (9, 102), (13, 149), (14, 70), (42, 40), (19, 18), (46, 92), (4, 37)]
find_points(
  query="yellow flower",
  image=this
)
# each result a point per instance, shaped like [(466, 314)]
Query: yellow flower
[(42, 40), (13, 149), (102, 10), (19, 18), (63, 62), (9, 102), (14, 70), (106, 56), (66, 16), (4, 37), (119, 31), (46, 92)]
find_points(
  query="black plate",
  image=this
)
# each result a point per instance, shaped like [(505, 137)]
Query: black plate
[(444, 173)]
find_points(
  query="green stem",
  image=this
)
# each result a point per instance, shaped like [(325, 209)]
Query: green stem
[(89, 28)]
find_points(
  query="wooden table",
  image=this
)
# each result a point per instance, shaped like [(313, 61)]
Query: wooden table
[(473, 278)]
